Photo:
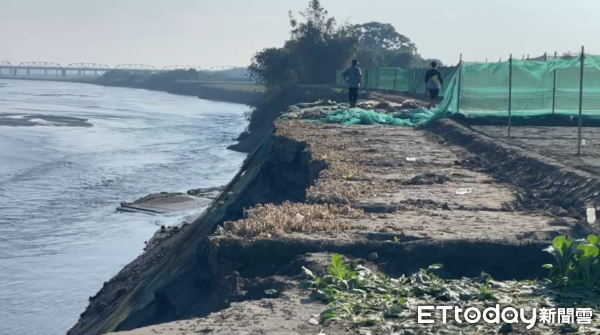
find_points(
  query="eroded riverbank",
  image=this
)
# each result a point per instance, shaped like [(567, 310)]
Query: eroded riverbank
[(356, 191)]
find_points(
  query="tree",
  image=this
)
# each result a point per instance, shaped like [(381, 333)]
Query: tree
[(382, 36), (370, 59), (426, 62), (319, 44), (403, 59), (273, 67), (382, 46)]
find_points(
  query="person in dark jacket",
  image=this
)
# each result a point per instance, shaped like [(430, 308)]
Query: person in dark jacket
[(433, 83)]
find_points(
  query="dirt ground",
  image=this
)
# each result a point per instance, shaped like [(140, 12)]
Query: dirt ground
[(375, 169), (559, 143), (392, 188), (288, 314)]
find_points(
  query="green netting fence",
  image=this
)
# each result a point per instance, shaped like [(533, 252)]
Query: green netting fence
[(537, 87), (528, 91), (529, 88), (397, 79)]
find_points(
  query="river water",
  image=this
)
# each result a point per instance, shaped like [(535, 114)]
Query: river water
[(60, 182)]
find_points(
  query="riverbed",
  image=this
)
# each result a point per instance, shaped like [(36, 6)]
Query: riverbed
[(69, 154)]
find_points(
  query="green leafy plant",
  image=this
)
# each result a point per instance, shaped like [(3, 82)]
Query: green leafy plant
[(486, 293), (339, 270), (576, 262)]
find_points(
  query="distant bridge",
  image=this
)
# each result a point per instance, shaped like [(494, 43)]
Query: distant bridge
[(96, 69)]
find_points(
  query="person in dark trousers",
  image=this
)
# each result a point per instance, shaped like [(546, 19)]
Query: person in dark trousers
[(353, 75), (433, 83)]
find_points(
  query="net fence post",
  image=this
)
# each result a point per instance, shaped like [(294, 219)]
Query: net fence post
[(510, 72), (582, 61), (395, 78), (459, 84), (554, 90)]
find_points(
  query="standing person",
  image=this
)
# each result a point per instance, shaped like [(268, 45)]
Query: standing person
[(353, 75), (433, 82)]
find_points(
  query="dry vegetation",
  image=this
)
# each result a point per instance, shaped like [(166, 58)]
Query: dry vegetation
[(347, 177), (276, 221)]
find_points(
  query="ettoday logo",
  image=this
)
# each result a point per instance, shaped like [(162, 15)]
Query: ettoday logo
[(507, 315)]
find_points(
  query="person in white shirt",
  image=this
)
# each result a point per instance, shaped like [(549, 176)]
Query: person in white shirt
[(353, 75)]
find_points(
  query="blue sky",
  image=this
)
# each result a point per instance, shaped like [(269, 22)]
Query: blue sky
[(228, 32)]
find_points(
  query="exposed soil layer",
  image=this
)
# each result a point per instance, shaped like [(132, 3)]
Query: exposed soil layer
[(265, 113), (559, 143), (172, 280), (402, 198)]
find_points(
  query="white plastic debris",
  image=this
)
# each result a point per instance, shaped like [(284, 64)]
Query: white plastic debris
[(298, 218), (411, 159), (590, 212), (464, 191)]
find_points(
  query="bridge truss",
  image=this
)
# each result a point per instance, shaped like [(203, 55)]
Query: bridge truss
[(40, 64), (91, 66), (221, 68), (181, 67), (138, 67)]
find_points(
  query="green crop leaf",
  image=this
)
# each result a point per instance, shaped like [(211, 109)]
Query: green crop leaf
[(588, 250), (395, 310), (305, 284), (328, 314), (336, 261), (593, 239), (559, 242)]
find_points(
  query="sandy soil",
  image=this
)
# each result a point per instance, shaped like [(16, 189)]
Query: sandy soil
[(289, 314)]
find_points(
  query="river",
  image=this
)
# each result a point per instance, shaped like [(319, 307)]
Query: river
[(62, 177)]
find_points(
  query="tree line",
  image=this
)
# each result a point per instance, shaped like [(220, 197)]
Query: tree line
[(318, 46)]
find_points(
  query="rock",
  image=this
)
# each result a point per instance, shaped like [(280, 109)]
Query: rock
[(313, 322), (373, 256)]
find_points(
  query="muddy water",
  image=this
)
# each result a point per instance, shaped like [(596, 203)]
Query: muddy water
[(61, 178)]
